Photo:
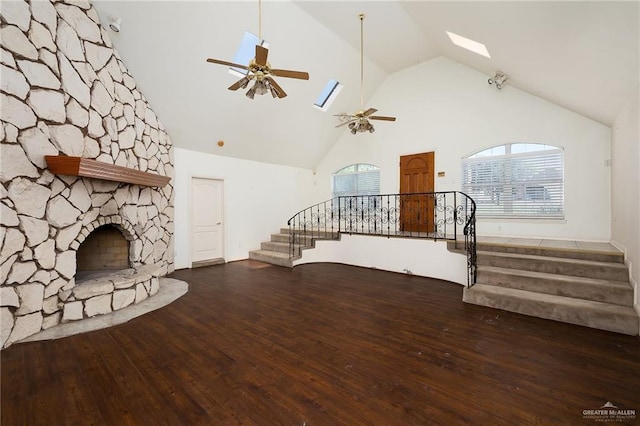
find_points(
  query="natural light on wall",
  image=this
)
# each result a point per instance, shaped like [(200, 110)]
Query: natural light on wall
[(469, 44)]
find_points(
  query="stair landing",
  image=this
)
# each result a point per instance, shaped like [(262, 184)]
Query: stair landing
[(559, 245)]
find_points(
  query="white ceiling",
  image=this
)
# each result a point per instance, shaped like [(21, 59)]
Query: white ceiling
[(580, 55)]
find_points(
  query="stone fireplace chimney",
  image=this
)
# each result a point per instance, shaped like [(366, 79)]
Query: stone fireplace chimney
[(66, 92)]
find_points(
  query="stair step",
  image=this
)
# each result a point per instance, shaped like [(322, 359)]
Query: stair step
[(315, 233), (276, 251), (567, 253), (285, 238), (603, 316), (280, 247), (581, 254), (555, 265), (616, 292), (273, 257)]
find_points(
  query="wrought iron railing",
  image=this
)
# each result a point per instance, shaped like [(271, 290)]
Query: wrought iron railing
[(434, 215)]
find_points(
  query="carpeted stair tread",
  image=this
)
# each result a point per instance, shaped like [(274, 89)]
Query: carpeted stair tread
[(546, 251), (617, 292), (271, 253), (279, 246), (544, 275), (560, 252), (277, 250), (285, 238), (604, 316), (327, 234), (273, 257), (550, 258), (557, 265)]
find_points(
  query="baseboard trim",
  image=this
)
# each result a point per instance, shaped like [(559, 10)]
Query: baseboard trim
[(210, 262)]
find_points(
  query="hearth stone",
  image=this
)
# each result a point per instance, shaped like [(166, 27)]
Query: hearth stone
[(123, 298), (88, 289), (98, 305), (51, 320), (72, 311)]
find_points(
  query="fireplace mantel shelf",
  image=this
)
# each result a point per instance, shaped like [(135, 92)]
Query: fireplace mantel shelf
[(86, 167)]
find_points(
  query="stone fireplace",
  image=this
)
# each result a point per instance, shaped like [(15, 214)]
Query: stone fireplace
[(75, 246)]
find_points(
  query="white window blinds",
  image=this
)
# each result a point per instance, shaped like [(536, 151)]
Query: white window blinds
[(357, 179), (522, 181)]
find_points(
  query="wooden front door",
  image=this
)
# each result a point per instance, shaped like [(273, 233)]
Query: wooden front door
[(416, 176)]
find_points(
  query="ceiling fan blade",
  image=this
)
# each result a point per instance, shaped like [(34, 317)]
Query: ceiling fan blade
[(347, 122), (230, 64), (244, 81), (291, 74), (381, 117), (279, 90), (369, 112), (261, 55)]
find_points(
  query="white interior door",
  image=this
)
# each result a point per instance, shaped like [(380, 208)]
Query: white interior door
[(207, 221)]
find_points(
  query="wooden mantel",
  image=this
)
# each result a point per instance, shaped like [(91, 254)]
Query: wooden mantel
[(86, 167)]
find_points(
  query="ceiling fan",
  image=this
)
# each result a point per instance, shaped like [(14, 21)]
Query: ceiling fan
[(260, 71), (359, 122)]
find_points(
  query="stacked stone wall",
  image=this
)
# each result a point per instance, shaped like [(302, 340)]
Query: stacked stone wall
[(65, 91)]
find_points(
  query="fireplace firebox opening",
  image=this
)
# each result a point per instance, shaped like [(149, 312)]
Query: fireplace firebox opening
[(104, 250)]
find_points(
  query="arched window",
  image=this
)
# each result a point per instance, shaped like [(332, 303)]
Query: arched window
[(519, 180), (356, 179)]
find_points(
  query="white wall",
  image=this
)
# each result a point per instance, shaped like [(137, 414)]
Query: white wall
[(625, 224), (412, 256), (445, 107), (259, 198)]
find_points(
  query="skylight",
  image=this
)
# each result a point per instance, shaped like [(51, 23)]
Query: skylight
[(469, 44), (246, 52), (328, 95)]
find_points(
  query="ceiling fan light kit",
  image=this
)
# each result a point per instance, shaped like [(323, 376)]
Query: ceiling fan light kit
[(260, 70), (360, 121)]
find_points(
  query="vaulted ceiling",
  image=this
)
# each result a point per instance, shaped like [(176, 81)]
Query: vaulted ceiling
[(580, 55)]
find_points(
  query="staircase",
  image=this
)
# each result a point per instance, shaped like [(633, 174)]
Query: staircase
[(276, 251), (584, 287)]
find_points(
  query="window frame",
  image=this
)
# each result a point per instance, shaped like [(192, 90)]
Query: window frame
[(366, 168), (332, 89), (526, 184)]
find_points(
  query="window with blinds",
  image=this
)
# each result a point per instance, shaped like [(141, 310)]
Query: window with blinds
[(357, 179), (516, 180)]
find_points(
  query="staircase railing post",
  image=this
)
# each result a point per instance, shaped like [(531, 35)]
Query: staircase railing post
[(455, 218)]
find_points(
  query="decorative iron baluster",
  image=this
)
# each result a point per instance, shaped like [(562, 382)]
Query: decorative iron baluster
[(455, 214), (408, 216)]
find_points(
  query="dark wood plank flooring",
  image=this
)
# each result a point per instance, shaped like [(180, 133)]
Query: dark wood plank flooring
[(321, 344)]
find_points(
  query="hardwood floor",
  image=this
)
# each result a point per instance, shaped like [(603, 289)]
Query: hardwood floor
[(321, 344)]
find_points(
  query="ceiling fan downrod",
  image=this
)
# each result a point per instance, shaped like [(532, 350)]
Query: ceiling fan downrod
[(361, 16), (260, 21)]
